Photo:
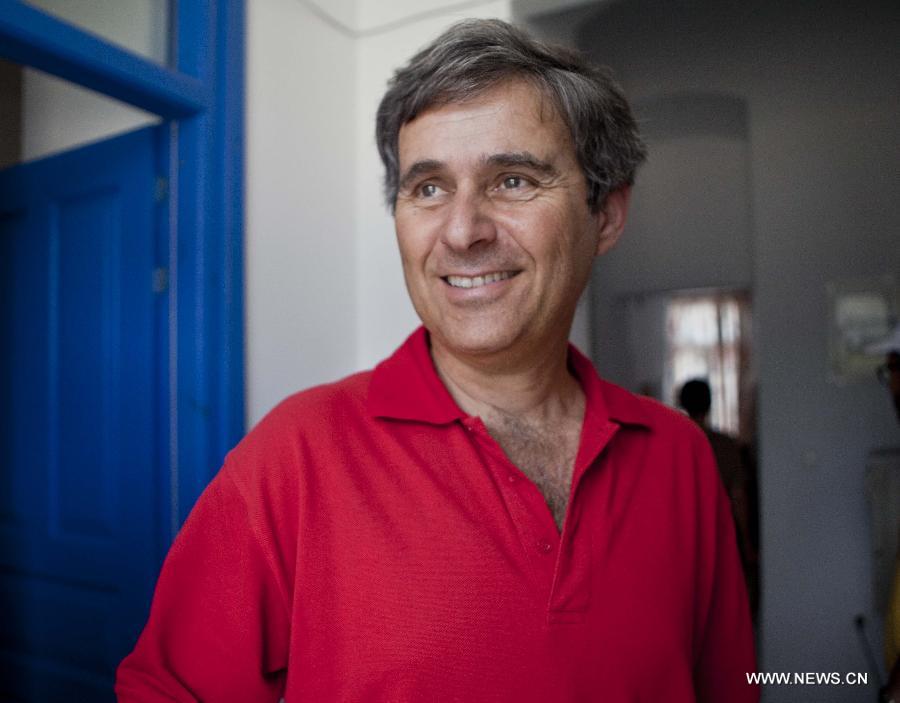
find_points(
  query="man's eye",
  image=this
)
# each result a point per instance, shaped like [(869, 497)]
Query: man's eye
[(429, 190), (515, 187)]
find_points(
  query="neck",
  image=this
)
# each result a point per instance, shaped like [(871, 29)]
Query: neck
[(539, 388)]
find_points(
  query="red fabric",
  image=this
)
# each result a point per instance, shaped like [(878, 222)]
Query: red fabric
[(369, 542)]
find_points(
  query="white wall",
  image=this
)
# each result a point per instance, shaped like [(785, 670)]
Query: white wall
[(379, 16), (819, 81), (300, 202)]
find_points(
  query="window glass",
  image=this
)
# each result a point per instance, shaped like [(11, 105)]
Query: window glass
[(704, 340), (42, 115), (140, 26)]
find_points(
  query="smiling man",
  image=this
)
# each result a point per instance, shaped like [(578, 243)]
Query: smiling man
[(497, 239), (480, 518)]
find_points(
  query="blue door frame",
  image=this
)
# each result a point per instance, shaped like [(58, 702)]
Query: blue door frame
[(201, 99)]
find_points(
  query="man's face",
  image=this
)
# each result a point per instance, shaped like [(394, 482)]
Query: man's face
[(493, 225)]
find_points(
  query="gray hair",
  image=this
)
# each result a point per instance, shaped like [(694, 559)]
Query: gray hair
[(475, 55)]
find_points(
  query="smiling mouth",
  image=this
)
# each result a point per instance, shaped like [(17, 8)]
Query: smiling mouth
[(478, 281)]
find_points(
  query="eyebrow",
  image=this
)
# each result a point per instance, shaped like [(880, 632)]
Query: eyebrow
[(420, 168), (517, 159), (522, 159)]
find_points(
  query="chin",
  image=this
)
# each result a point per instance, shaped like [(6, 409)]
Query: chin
[(475, 339)]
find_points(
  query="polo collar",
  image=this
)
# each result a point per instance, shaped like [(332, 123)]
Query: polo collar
[(406, 386), (606, 401)]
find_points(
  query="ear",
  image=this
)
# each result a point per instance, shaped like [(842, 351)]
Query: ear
[(611, 219)]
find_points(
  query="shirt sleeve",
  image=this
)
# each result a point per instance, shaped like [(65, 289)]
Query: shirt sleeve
[(219, 627), (725, 651)]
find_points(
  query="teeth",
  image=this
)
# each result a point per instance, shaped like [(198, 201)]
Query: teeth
[(476, 281)]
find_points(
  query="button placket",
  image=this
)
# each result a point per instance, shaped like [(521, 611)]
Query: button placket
[(570, 594), (525, 505)]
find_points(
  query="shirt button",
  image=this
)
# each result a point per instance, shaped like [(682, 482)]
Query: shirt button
[(544, 546), (512, 478)]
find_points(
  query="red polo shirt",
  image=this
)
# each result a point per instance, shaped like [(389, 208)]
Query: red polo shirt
[(368, 541)]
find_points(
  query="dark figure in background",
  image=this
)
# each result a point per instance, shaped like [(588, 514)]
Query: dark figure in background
[(695, 398), (889, 373)]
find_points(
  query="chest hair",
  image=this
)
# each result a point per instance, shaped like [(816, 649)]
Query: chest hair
[(544, 452)]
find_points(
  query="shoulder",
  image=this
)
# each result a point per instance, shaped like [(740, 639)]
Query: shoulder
[(298, 424), (669, 441), (637, 410), (316, 407)]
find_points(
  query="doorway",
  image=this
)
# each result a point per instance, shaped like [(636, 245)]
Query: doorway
[(122, 379)]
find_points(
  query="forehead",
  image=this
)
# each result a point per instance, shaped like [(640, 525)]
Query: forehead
[(511, 117)]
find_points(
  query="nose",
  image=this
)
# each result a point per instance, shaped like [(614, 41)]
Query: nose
[(468, 222)]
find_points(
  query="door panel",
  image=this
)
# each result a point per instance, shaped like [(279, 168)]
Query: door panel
[(81, 473)]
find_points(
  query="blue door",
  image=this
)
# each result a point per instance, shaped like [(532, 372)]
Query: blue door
[(82, 477)]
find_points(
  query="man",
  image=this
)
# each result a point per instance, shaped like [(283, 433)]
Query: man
[(695, 398), (480, 518)]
